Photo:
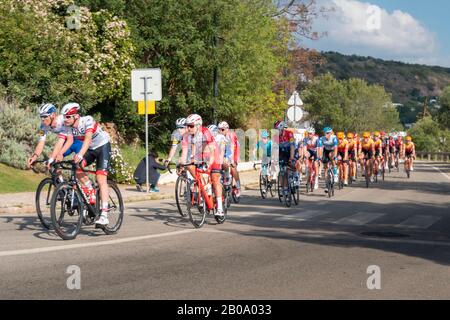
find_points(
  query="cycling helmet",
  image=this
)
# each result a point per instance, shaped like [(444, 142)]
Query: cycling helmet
[(194, 119), (366, 135), (327, 130), (382, 133), (350, 135), (224, 125), (46, 110), (264, 134), (180, 123), (311, 130), (70, 109), (408, 138), (376, 134), (280, 125), (340, 135), (213, 128)]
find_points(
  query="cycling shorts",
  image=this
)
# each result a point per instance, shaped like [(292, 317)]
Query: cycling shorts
[(102, 155), (74, 148)]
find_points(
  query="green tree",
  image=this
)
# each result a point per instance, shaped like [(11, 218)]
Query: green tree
[(443, 115), (428, 136)]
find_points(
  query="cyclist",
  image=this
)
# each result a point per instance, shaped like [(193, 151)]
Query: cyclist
[(392, 149), (233, 145), (367, 152), (330, 150), (198, 144), (352, 153), (50, 122), (343, 154), (221, 142), (409, 151), (265, 144), (385, 149), (399, 146), (177, 136), (378, 152), (285, 140), (96, 147), (312, 147)]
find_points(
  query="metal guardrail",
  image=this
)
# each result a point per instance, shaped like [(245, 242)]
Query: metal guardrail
[(433, 156)]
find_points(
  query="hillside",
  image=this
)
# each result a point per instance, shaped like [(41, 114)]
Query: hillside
[(408, 83)]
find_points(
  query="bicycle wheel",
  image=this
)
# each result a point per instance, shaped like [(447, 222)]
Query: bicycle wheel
[(280, 186), (180, 194), (295, 193), (221, 220), (263, 185), (196, 207), (42, 201), (288, 194), (236, 199), (67, 209), (366, 170), (116, 209), (383, 170), (328, 182)]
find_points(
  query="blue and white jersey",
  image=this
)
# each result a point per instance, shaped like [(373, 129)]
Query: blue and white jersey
[(312, 144), (265, 147), (329, 145), (59, 129)]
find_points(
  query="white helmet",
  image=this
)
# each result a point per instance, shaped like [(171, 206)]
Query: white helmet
[(70, 109), (223, 125), (213, 128), (311, 130), (194, 119), (46, 110), (180, 123)]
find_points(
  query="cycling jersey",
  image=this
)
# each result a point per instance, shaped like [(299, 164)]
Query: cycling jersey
[(266, 148), (342, 145), (367, 146), (312, 144), (222, 142), (176, 137), (409, 147), (285, 141), (329, 145), (233, 142), (60, 130), (352, 146), (88, 124), (199, 142)]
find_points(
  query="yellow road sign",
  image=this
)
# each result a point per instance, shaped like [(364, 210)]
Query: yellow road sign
[(151, 107)]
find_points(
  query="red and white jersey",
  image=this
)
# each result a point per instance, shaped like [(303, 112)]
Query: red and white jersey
[(88, 124), (233, 142), (199, 142)]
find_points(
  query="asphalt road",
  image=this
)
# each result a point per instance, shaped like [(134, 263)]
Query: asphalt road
[(321, 248)]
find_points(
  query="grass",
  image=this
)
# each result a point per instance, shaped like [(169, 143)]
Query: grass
[(15, 180)]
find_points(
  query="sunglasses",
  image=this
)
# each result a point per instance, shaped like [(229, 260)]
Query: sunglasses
[(328, 133), (222, 129), (68, 117), (190, 126), (44, 117)]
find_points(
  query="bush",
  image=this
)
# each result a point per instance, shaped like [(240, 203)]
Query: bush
[(18, 134), (120, 171)]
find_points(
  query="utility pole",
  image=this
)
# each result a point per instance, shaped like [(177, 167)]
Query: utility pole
[(216, 68)]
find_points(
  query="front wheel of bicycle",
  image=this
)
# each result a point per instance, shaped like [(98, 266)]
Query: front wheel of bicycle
[(181, 194), (116, 209), (42, 201), (67, 209), (196, 206)]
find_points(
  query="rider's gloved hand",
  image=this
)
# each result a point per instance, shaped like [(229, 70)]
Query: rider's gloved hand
[(78, 158)]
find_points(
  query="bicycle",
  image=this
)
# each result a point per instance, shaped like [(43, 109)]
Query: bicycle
[(293, 190), (180, 188), (341, 174), (407, 165), (234, 188), (265, 182), (329, 180), (70, 207), (198, 196), (310, 176), (44, 192)]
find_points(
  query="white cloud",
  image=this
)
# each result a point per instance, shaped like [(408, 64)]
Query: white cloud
[(362, 28)]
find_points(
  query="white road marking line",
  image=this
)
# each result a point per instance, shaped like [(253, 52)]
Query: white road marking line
[(94, 244), (419, 221), (359, 219), (437, 169), (302, 216)]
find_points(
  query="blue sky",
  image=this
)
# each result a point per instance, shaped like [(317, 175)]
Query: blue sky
[(405, 30)]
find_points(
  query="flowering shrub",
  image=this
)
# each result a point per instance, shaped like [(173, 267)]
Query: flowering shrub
[(120, 171), (56, 61), (18, 134)]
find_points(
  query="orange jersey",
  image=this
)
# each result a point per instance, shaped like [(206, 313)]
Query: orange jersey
[(342, 145), (409, 147), (378, 144), (352, 145), (367, 146)]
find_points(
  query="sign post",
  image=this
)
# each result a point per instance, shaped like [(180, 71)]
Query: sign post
[(146, 83)]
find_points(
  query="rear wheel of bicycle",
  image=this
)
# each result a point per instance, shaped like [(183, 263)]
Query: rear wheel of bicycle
[(296, 194), (67, 211), (42, 201), (180, 194), (116, 209), (196, 209), (367, 174), (288, 194), (280, 186)]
